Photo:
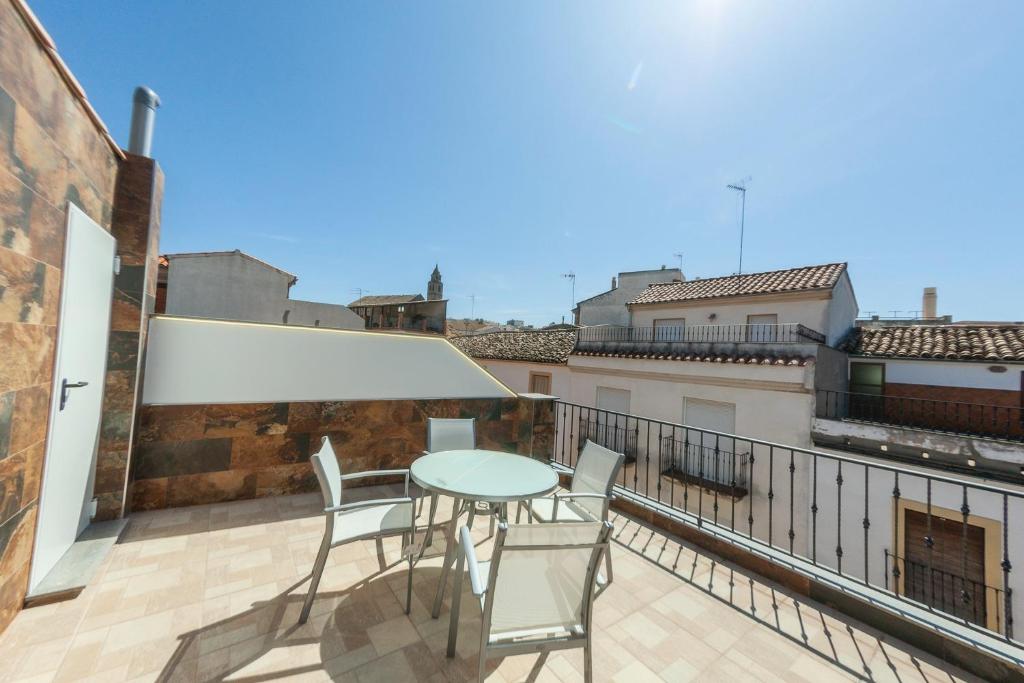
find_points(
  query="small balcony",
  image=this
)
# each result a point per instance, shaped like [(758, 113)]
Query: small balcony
[(948, 417), (784, 339)]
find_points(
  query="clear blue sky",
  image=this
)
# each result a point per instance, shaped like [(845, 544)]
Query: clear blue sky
[(355, 144)]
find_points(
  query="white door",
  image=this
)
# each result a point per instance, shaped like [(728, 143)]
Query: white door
[(709, 455), (79, 371)]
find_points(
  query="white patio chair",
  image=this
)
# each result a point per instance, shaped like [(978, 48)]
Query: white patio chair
[(447, 434), (539, 593), (588, 497), (347, 522)]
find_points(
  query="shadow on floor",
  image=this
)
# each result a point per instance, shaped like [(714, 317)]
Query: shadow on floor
[(836, 638)]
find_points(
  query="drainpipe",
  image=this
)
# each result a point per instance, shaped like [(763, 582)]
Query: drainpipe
[(144, 106)]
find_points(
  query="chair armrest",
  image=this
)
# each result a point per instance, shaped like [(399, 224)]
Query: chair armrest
[(466, 541), (570, 495), (378, 473), (345, 507)]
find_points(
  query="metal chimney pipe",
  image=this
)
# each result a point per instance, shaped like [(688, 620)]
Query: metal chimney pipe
[(144, 106)]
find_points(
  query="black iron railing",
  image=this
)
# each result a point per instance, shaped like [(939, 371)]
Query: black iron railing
[(821, 513), (947, 591), (975, 419), (751, 334)]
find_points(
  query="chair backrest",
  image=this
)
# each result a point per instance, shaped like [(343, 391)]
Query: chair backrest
[(445, 434), (328, 473), (596, 471), (542, 575)]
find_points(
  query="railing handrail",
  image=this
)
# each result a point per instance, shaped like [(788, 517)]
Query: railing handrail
[(791, 332), (918, 398), (888, 467)]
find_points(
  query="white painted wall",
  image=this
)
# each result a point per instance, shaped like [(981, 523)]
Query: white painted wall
[(832, 317), (194, 361), (516, 375), (232, 286), (949, 373), (609, 308)]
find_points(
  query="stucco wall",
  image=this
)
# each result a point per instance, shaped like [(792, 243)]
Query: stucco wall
[(51, 153), (609, 308), (516, 375), (234, 287), (812, 313), (949, 373)]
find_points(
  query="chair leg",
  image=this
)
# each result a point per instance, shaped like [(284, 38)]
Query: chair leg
[(608, 563), (519, 511), (472, 515), (481, 671), (380, 554), (490, 528), (453, 617), (412, 557), (588, 660), (429, 538), (314, 578)]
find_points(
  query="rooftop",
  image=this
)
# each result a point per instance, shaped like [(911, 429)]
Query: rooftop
[(166, 259), (806, 278), (711, 357), (213, 593), (538, 346), (386, 299), (939, 342)]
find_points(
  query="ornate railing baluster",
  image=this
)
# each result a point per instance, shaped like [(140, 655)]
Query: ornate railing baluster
[(965, 510), (866, 522), (895, 532), (771, 494), (792, 474), (839, 516), (929, 542), (814, 512), (750, 488), (1006, 567), (718, 479)]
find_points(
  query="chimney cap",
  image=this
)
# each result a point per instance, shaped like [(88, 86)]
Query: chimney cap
[(146, 96)]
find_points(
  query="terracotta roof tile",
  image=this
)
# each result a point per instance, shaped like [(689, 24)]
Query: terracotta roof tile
[(945, 342), (790, 280), (737, 358), (386, 299), (538, 346)]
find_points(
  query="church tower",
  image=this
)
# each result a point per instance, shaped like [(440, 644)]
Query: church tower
[(435, 289)]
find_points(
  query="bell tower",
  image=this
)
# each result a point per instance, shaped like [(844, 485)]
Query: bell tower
[(435, 288)]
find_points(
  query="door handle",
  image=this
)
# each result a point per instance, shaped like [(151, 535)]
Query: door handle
[(64, 386)]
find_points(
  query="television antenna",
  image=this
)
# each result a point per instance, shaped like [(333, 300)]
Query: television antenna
[(679, 255), (359, 292), (741, 187), (572, 277)]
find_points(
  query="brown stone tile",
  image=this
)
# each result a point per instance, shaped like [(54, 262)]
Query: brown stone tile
[(6, 416), (246, 419), (31, 413), (159, 459), (252, 452), (283, 480), (213, 487), (172, 423), (123, 352), (32, 226), (16, 537), (119, 390), (149, 494), (28, 355), (12, 484), (110, 475), (23, 290), (115, 431), (108, 505), (125, 313), (304, 416)]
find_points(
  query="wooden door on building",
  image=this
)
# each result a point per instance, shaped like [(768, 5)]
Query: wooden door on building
[(954, 581)]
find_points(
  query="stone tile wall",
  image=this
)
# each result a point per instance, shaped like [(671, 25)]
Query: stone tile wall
[(50, 154), (197, 454)]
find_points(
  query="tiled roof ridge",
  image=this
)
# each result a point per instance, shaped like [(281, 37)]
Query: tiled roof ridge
[(737, 358), (742, 275), (991, 342), (538, 346)]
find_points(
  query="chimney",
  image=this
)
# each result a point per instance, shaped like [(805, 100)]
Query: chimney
[(144, 105), (614, 285), (929, 303)]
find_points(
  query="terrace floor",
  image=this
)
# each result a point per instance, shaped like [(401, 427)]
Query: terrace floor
[(213, 593)]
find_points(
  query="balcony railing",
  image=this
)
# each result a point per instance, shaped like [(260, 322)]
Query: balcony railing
[(946, 591), (786, 333), (974, 419), (830, 516)]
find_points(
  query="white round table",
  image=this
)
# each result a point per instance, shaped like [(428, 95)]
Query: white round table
[(478, 475)]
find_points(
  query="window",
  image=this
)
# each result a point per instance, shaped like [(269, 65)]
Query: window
[(540, 383), (699, 454), (763, 327), (609, 425), (867, 386), (951, 575), (669, 329)]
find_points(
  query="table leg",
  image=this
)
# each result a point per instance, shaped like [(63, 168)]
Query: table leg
[(449, 557)]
